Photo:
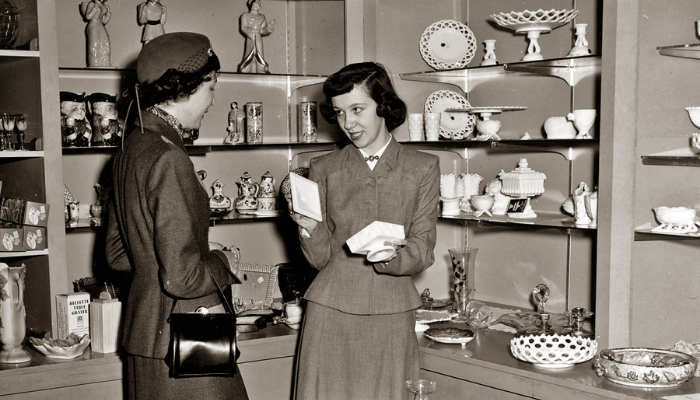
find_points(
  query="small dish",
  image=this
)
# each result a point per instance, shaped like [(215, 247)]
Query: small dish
[(65, 353), (447, 44), (453, 125), (380, 253), (450, 335)]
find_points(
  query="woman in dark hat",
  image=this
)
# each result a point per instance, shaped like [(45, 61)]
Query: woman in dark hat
[(159, 219), (358, 340)]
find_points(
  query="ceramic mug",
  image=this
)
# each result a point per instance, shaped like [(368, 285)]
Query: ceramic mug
[(267, 203)]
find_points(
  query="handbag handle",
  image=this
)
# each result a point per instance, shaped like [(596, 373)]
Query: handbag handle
[(219, 290)]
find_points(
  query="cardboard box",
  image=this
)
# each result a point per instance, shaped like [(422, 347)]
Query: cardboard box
[(35, 238), (36, 214), (73, 314), (12, 238)]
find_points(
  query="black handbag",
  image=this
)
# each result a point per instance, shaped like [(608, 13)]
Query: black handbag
[(203, 344)]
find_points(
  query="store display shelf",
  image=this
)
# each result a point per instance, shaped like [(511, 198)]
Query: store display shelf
[(571, 69), (19, 53), (21, 154), (645, 233), (494, 143), (544, 219), (681, 50), (235, 216), (677, 157), (31, 253), (200, 146)]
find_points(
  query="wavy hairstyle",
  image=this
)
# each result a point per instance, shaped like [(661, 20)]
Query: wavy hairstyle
[(375, 81), (175, 86)]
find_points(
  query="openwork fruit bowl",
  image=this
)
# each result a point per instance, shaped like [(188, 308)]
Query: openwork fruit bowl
[(540, 20), (552, 350), (644, 367)]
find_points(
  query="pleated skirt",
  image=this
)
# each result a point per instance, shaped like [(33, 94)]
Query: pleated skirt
[(148, 379), (355, 357)]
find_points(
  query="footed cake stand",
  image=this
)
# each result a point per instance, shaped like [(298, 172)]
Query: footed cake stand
[(488, 128)]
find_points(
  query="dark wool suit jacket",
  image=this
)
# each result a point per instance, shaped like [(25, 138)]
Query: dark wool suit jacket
[(404, 189), (158, 229)]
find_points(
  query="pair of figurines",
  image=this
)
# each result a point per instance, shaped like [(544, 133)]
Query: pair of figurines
[(254, 196), (98, 209), (98, 127)]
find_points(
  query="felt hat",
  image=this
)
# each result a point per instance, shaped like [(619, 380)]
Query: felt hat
[(183, 51)]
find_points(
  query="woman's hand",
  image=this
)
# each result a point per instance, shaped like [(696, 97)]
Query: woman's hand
[(398, 245), (303, 221)]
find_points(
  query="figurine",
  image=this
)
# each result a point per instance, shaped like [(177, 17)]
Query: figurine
[(247, 193), (152, 14), (75, 127), (267, 185), (73, 214), (500, 200), (218, 202), (236, 121), (106, 128), (254, 26), (97, 14)]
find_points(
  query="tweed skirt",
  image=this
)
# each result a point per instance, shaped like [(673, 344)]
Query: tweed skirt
[(148, 379), (355, 357)]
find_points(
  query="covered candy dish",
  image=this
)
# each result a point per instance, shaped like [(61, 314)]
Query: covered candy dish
[(523, 182), (644, 367)]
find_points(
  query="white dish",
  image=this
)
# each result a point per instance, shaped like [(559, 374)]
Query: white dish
[(63, 353), (540, 20), (450, 335), (453, 125), (370, 240), (447, 44), (305, 197)]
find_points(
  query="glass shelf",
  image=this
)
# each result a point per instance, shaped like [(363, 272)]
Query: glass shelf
[(677, 157), (200, 147), (681, 50), (31, 253), (544, 219), (644, 233), (571, 69)]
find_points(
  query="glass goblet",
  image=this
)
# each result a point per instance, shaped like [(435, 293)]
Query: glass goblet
[(420, 388), (21, 127)]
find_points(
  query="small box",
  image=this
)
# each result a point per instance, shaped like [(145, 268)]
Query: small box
[(105, 320), (11, 210), (35, 238), (73, 314), (36, 214), (12, 238)]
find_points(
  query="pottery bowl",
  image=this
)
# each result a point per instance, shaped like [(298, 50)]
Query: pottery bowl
[(482, 202), (61, 352), (694, 113), (559, 128), (553, 351), (643, 367), (675, 215)]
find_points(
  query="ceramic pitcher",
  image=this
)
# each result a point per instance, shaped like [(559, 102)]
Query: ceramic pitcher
[(247, 193), (13, 314)]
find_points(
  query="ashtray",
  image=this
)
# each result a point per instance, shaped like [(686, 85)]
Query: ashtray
[(553, 351), (71, 347), (644, 367)]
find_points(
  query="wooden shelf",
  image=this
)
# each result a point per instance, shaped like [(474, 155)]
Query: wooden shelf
[(31, 253)]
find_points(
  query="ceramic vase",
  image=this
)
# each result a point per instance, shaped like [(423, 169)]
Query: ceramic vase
[(12, 314), (583, 120), (98, 209)]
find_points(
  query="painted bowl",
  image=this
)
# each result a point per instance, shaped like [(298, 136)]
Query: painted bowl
[(644, 367), (553, 351), (559, 128)]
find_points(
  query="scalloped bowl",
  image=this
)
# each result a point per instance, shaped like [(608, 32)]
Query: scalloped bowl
[(694, 113), (644, 367), (553, 351), (540, 19), (65, 353)]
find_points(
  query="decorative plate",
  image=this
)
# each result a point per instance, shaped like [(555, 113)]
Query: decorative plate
[(447, 44), (449, 335), (452, 125), (540, 20)]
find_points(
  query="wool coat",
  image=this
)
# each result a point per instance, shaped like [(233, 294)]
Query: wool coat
[(403, 189), (158, 229)]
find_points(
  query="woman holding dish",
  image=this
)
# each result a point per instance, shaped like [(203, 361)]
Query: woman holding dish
[(358, 339)]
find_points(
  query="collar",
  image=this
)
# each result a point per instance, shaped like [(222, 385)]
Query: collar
[(355, 162), (377, 155), (157, 125)]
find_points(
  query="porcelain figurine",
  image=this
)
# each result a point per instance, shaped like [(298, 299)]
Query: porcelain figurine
[(267, 185), (254, 26), (152, 15), (98, 209), (583, 120), (106, 128), (219, 202), (490, 56), (580, 212), (97, 14), (13, 314), (247, 193), (500, 200), (73, 214), (75, 127), (236, 124), (591, 202)]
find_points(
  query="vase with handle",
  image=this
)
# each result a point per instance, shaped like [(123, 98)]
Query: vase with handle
[(12, 314)]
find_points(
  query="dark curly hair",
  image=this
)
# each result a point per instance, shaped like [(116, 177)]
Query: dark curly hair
[(175, 86), (375, 81)]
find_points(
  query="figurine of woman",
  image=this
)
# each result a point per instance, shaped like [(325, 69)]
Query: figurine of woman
[(97, 13), (152, 14), (236, 121), (254, 27)]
